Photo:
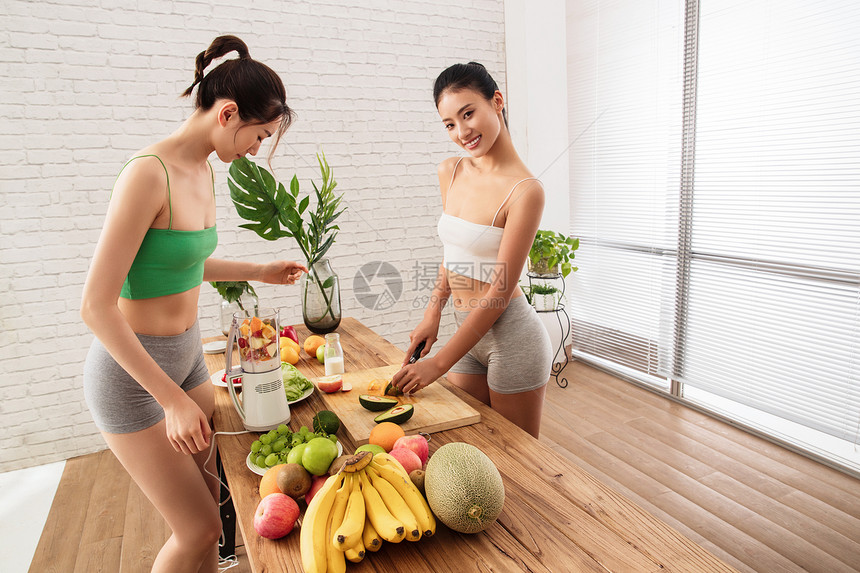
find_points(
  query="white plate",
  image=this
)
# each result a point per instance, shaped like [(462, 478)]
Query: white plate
[(260, 471), (215, 347), (307, 393), (216, 380)]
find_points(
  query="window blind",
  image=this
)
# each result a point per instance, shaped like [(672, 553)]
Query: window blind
[(715, 187), (624, 61), (773, 312)]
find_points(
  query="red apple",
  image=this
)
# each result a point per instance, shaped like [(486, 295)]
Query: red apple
[(417, 444), (316, 483), (407, 458), (290, 332), (276, 516)]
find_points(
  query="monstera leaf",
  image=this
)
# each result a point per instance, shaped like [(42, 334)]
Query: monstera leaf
[(275, 212)]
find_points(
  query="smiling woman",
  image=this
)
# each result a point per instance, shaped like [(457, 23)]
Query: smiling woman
[(144, 376), (491, 208)]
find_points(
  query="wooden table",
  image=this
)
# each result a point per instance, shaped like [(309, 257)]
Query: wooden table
[(556, 516)]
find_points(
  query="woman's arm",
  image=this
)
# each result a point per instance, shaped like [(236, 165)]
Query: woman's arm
[(428, 329), (135, 204), (276, 272), (521, 225)]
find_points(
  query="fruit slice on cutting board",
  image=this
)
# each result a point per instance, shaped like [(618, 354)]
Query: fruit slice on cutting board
[(330, 384), (376, 403), (397, 414)]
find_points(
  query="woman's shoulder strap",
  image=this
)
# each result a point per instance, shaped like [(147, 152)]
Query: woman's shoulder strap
[(166, 174), (511, 192)]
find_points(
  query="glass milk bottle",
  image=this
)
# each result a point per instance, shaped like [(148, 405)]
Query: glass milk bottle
[(333, 354)]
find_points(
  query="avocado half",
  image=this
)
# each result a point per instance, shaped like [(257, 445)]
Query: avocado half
[(376, 403), (397, 414), (392, 390)]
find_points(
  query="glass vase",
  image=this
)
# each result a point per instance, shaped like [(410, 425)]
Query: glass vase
[(320, 291), (247, 302)]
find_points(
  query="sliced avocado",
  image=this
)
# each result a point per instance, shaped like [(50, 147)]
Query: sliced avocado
[(397, 414), (376, 403), (392, 390)]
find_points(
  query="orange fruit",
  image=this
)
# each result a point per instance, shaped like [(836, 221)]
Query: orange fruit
[(289, 342), (385, 434), (313, 342), (290, 355), (269, 482)]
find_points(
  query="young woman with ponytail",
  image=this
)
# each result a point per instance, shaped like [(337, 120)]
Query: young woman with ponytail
[(491, 209), (145, 380)]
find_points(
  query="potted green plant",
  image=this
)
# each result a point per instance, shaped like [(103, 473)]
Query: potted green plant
[(544, 297), (551, 253), (275, 212), (235, 296)]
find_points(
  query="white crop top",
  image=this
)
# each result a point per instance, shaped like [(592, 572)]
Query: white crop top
[(471, 249)]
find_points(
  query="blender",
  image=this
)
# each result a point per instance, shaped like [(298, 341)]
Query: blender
[(264, 403)]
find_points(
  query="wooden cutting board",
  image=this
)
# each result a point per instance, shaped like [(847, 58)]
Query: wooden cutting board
[(436, 408)]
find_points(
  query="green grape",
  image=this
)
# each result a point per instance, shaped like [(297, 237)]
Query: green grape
[(333, 438), (282, 457), (286, 451), (296, 440), (265, 439), (266, 450), (304, 431), (278, 446), (271, 460), (260, 461), (273, 434), (255, 446), (283, 429)]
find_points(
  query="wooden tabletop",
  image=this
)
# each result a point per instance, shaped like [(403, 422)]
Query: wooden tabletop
[(556, 516)]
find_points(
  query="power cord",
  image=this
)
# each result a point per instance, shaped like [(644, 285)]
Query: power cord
[(230, 561), (209, 457)]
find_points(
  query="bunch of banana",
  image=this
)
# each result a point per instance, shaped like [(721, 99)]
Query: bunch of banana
[(370, 500)]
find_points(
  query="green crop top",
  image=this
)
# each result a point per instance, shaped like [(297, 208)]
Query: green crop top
[(169, 261)]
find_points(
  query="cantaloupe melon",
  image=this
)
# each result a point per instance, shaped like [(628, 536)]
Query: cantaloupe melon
[(464, 489)]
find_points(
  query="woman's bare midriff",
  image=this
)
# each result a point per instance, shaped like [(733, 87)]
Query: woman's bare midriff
[(161, 316), (467, 293)]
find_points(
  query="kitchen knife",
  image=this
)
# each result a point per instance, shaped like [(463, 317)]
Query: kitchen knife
[(417, 354)]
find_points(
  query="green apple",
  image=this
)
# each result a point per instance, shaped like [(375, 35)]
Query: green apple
[(295, 455), (318, 455), (321, 353), (372, 448)]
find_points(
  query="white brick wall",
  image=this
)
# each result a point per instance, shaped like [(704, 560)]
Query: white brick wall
[(83, 87)]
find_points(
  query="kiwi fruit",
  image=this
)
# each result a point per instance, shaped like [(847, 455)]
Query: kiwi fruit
[(294, 480), (417, 477)]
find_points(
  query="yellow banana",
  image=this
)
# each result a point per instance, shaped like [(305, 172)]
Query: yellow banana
[(312, 537), (396, 505), (386, 525), (410, 493), (335, 562), (338, 509), (356, 552), (348, 533), (369, 537), (386, 459)]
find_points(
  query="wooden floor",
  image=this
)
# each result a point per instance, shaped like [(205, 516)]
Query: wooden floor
[(757, 506)]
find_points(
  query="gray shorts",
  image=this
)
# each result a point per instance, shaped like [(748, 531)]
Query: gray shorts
[(515, 354), (118, 404)]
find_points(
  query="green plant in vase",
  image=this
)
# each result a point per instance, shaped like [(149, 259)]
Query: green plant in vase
[(275, 212), (551, 253), (235, 294)]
